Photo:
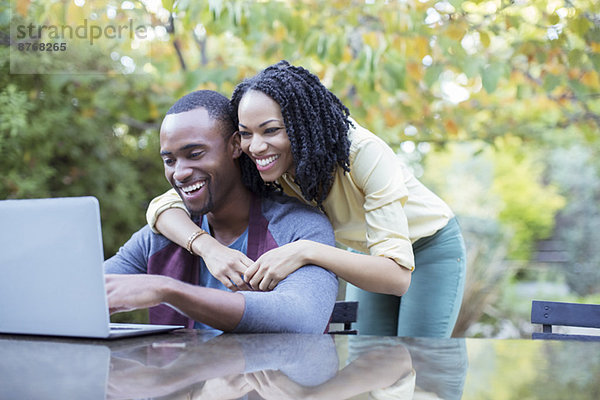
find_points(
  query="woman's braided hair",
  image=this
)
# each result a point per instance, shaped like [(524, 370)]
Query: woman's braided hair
[(316, 122)]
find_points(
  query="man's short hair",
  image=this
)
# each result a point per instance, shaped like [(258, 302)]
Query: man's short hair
[(218, 107)]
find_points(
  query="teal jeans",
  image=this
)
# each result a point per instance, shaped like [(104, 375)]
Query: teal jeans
[(430, 306)]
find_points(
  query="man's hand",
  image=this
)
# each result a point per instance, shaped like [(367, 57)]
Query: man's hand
[(228, 266), (275, 265), (131, 292)]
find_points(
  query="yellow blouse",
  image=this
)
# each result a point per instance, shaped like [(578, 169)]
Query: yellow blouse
[(378, 208)]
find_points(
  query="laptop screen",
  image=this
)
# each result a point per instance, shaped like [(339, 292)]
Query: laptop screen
[(51, 276)]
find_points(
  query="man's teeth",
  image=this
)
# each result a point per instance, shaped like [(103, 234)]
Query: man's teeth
[(193, 187), (266, 161)]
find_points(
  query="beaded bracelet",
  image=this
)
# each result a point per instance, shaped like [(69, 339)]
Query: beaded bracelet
[(191, 239)]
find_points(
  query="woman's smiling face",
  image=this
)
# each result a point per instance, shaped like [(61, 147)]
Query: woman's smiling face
[(263, 135)]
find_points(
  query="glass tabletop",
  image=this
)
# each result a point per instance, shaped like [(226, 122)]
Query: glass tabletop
[(198, 365)]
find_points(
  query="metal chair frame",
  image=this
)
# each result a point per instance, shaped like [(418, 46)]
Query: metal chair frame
[(345, 312), (549, 313)]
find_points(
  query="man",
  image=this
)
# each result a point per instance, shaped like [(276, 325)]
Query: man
[(201, 153)]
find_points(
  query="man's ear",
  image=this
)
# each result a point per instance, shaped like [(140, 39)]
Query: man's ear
[(235, 145)]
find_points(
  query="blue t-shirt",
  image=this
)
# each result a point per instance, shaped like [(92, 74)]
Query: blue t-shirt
[(206, 279)]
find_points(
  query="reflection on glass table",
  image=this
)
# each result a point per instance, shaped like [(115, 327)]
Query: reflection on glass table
[(191, 364)]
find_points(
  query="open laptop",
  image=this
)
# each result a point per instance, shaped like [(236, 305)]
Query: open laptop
[(51, 273)]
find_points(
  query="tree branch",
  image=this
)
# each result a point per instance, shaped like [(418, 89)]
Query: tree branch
[(171, 30)]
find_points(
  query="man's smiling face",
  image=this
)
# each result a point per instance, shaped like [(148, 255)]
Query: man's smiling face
[(199, 159)]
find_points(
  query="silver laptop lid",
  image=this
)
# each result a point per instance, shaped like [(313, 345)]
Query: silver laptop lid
[(51, 275)]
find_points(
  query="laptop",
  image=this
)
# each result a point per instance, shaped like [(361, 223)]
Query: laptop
[(51, 272)]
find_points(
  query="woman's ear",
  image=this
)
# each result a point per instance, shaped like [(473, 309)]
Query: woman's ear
[(235, 145)]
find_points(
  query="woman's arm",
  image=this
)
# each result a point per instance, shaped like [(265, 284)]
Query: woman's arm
[(388, 368), (362, 270), (225, 264), (373, 273)]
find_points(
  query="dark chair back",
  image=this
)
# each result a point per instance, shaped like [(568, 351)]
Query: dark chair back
[(345, 312), (549, 313)]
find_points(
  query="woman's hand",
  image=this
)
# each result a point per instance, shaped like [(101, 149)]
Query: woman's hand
[(225, 264), (229, 266), (276, 264), (271, 384), (226, 387)]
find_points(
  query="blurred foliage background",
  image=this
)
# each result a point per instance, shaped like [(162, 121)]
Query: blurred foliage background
[(494, 104)]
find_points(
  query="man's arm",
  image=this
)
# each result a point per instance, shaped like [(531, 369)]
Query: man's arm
[(301, 303), (129, 287), (304, 300), (217, 308), (132, 257)]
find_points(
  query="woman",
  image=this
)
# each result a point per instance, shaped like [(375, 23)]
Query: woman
[(300, 136)]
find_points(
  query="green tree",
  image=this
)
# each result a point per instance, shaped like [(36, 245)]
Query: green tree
[(423, 75), (576, 170), (74, 136)]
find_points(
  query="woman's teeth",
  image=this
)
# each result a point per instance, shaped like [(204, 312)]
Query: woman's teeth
[(263, 162)]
